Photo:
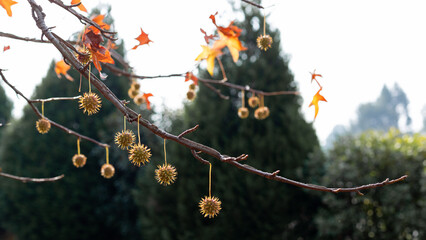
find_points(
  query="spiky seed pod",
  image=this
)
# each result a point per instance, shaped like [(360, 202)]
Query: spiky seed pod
[(86, 58), (243, 112), (165, 174), (139, 99), (190, 94), (90, 103), (136, 85), (192, 86), (264, 42), (133, 93), (79, 160), (139, 154), (107, 170), (210, 206), (124, 139), (253, 101), (43, 125)]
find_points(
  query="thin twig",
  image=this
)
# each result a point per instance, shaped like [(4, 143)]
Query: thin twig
[(252, 3), (188, 131), (196, 156), (27, 179), (217, 91), (55, 99)]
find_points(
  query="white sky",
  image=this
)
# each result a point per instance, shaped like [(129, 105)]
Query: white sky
[(357, 45)]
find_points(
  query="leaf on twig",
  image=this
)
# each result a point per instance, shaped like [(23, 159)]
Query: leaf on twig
[(62, 68), (317, 97), (207, 38), (148, 103), (81, 6), (6, 4), (190, 76), (143, 39), (210, 54), (99, 19), (99, 53)]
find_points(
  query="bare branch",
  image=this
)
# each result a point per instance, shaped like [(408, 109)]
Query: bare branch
[(57, 125), (54, 99), (188, 131), (8, 35), (27, 179), (252, 3), (217, 91), (132, 116)]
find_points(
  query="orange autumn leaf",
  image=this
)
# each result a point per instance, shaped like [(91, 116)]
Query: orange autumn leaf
[(209, 54), (314, 75), (317, 97), (5, 48), (143, 39), (99, 19), (148, 103), (233, 43), (99, 53), (6, 4), (207, 38), (81, 6), (190, 76), (62, 68)]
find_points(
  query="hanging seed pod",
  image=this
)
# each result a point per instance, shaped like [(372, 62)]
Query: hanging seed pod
[(90, 103), (133, 93), (79, 160), (139, 99), (124, 139), (107, 170), (135, 85), (210, 206), (243, 112), (43, 125), (264, 42), (253, 101), (190, 95), (192, 86), (165, 174), (139, 154)]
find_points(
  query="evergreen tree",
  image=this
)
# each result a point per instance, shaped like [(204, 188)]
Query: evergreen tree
[(252, 207), (5, 109), (83, 205)]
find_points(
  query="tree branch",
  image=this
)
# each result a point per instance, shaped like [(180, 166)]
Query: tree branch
[(27, 179), (253, 4), (132, 116), (57, 125), (54, 99)]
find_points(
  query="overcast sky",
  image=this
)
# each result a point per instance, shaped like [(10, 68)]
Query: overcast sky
[(357, 45)]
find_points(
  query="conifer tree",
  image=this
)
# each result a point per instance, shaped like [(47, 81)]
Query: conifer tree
[(281, 141)]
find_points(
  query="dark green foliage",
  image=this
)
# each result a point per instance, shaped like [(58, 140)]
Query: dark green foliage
[(397, 211), (5, 109), (83, 205), (253, 207)]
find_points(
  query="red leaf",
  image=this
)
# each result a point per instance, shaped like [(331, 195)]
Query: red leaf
[(207, 38), (213, 18), (190, 76), (5, 48), (99, 53), (62, 68), (143, 39), (314, 75), (148, 103), (99, 20)]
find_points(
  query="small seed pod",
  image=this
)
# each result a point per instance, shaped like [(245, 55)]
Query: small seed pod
[(139, 154), (190, 95), (264, 42), (165, 174), (133, 92), (192, 86), (79, 160), (139, 99), (253, 101), (210, 206), (107, 170), (136, 85), (90, 103), (84, 58), (43, 125), (258, 113), (243, 112), (124, 139), (265, 112)]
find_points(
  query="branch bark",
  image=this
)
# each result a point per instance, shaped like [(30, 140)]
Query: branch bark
[(27, 179)]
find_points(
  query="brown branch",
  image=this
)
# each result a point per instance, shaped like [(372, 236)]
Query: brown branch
[(132, 116), (120, 72), (27, 179), (57, 125), (84, 20), (8, 35), (217, 91), (188, 131), (54, 99), (252, 3)]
